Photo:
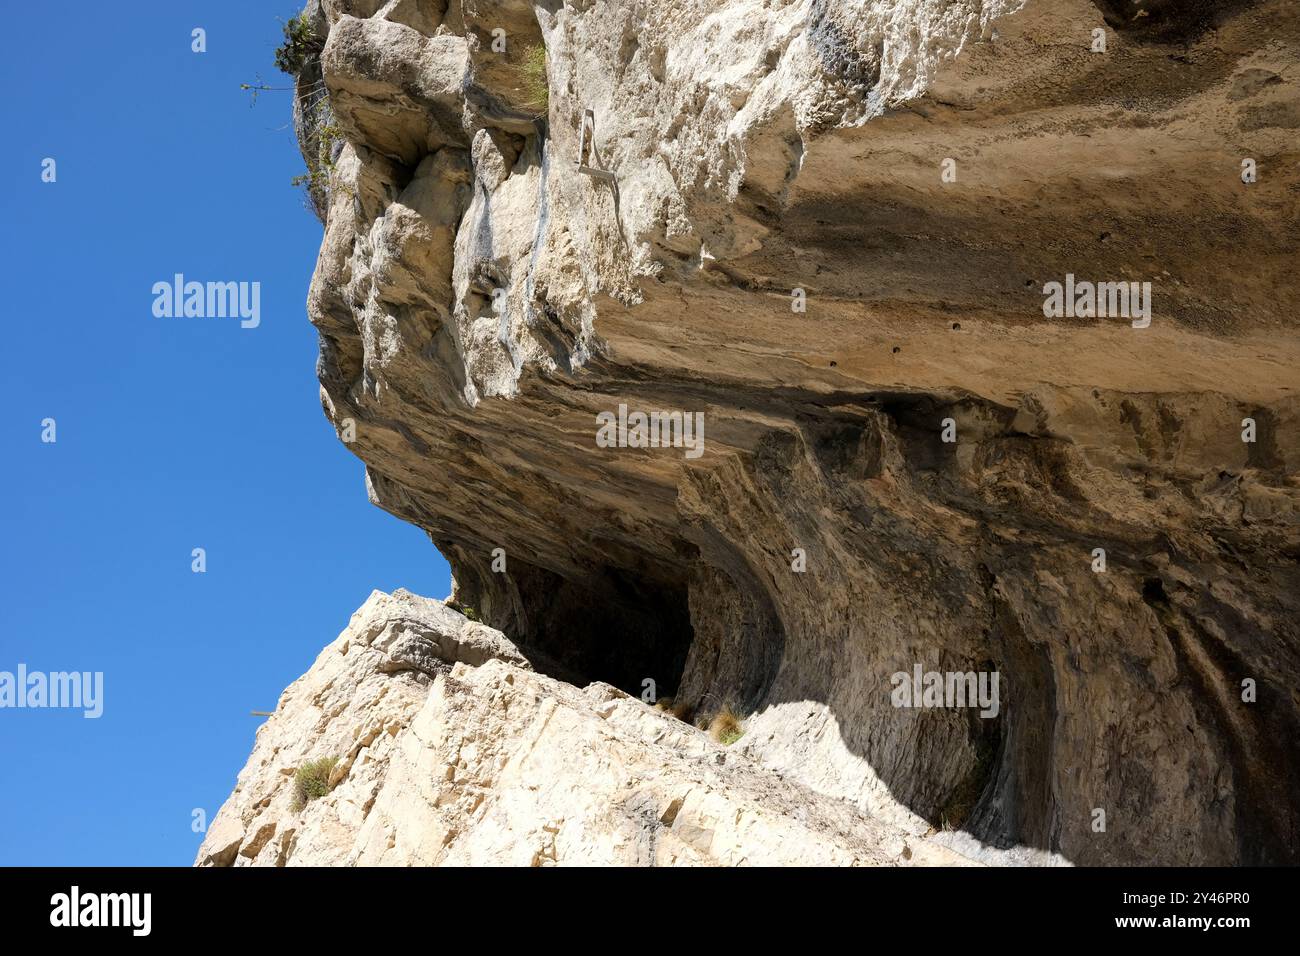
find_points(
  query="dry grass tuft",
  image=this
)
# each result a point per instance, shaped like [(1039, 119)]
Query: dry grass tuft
[(726, 727)]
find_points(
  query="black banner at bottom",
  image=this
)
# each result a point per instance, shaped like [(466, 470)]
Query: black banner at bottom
[(300, 905)]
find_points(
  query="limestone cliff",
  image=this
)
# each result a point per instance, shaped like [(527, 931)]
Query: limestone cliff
[(829, 228), (451, 750)]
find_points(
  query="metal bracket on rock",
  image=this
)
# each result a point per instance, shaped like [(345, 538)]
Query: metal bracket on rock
[(586, 145)]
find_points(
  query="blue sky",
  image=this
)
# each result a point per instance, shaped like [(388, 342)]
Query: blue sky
[(172, 433)]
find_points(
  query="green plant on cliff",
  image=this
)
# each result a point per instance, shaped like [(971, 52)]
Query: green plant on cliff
[(312, 780), (465, 610), (313, 118), (534, 88), (299, 46), (320, 166)]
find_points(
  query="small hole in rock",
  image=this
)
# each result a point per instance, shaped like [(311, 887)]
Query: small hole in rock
[(1153, 591)]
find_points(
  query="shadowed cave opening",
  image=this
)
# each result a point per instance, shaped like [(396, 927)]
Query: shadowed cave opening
[(616, 626)]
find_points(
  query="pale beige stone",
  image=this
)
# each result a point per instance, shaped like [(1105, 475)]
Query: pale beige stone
[(494, 764)]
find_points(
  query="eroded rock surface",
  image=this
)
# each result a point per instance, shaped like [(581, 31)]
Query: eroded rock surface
[(481, 301)]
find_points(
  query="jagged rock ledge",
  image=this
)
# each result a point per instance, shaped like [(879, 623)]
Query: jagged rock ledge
[(451, 750)]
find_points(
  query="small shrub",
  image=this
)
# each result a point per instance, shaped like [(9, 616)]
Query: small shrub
[(312, 780), (319, 178), (725, 727), (466, 610), (327, 137), (299, 46)]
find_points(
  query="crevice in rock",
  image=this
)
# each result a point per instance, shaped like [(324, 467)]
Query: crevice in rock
[(1168, 21), (1014, 806), (1256, 738)]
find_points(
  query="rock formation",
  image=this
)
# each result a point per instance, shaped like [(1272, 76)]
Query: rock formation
[(451, 750), (831, 228)]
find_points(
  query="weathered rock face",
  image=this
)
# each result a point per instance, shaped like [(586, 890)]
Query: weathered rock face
[(829, 227), (452, 751)]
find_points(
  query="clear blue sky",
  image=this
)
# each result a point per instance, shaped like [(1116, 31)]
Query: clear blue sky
[(172, 434)]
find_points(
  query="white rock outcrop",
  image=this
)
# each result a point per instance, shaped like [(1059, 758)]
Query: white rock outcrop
[(452, 751)]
